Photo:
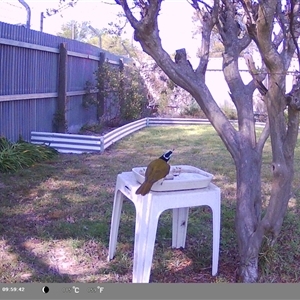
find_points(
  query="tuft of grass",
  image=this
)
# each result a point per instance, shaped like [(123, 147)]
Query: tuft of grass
[(15, 156)]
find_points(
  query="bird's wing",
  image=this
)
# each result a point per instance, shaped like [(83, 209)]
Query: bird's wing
[(157, 170)]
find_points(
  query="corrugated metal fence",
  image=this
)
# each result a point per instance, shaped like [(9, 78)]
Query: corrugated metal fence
[(72, 143), (39, 74)]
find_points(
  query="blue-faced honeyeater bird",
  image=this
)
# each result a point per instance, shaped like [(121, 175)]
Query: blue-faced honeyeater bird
[(156, 170)]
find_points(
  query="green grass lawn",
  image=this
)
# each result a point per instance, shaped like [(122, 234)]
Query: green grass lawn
[(55, 216)]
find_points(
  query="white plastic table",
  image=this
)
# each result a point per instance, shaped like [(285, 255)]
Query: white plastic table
[(149, 208)]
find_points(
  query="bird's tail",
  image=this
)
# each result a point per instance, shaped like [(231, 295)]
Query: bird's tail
[(144, 188)]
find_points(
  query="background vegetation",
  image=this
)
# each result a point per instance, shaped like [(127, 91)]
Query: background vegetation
[(146, 85)]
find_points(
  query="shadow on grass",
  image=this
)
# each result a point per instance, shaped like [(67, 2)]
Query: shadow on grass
[(194, 262), (48, 213)]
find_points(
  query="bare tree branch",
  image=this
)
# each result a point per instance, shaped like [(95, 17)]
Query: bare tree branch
[(195, 4), (208, 20), (293, 97), (258, 76), (294, 16), (278, 38), (264, 42), (263, 137), (133, 21)]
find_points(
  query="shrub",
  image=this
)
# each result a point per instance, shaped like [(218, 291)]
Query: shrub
[(122, 95), (193, 110), (230, 113), (15, 156)]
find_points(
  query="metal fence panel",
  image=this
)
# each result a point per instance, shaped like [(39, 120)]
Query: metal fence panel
[(117, 134), (80, 70), (19, 118), (78, 115), (27, 71), (68, 143), (29, 68), (176, 121)]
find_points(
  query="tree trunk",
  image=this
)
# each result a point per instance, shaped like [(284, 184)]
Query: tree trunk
[(248, 211), (250, 227), (242, 144)]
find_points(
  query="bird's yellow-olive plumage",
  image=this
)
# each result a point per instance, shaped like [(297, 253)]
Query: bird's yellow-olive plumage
[(156, 170)]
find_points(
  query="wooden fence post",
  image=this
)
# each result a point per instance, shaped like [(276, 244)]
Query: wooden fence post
[(100, 94), (60, 118)]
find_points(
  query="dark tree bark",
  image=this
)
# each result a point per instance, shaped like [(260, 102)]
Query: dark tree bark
[(242, 143)]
